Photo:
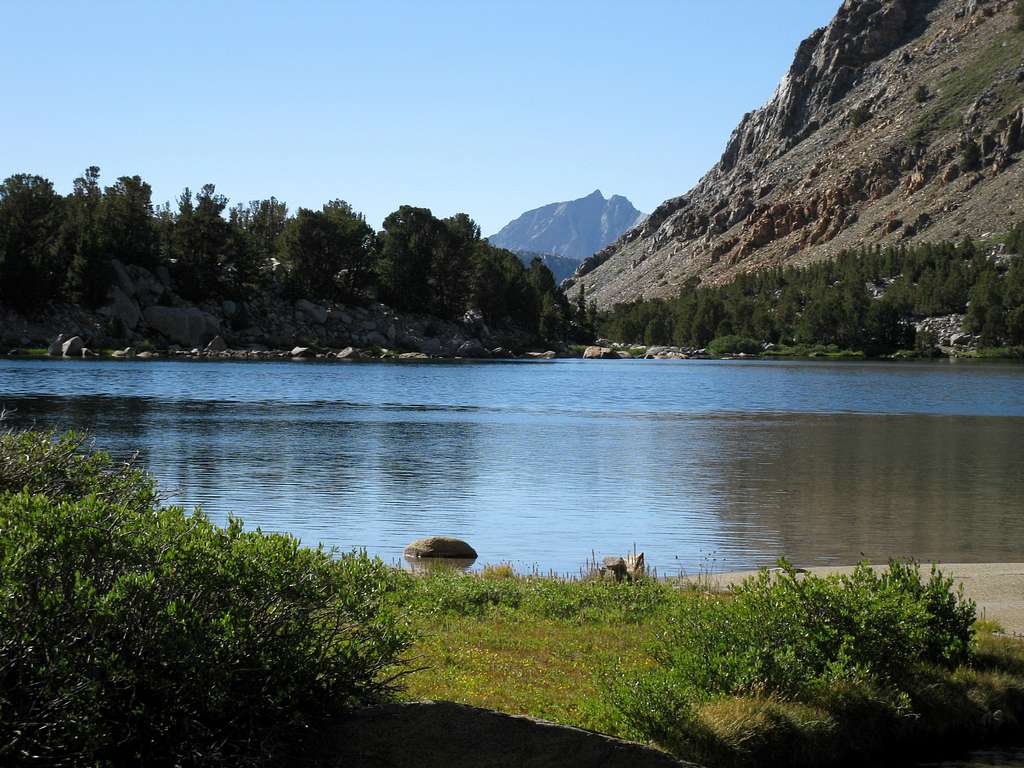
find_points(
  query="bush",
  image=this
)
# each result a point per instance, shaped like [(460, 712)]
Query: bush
[(136, 634), (860, 115), (734, 345), (840, 640), (921, 94)]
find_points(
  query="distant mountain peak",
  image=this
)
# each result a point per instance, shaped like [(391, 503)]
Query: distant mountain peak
[(573, 229)]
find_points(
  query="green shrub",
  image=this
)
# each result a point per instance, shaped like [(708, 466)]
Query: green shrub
[(64, 467), (921, 94), (842, 640), (134, 634), (860, 115), (734, 345)]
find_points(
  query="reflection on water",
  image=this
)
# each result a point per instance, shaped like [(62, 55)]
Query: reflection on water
[(722, 465)]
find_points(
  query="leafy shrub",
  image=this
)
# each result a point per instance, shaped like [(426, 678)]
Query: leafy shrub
[(734, 345), (842, 639), (136, 634), (860, 115), (921, 94), (63, 467)]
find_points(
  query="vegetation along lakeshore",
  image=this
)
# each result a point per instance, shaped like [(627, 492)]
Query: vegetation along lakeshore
[(302, 468)]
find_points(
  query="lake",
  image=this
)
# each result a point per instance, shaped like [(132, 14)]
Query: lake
[(704, 465)]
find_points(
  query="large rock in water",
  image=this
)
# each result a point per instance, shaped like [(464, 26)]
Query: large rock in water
[(444, 735), (72, 347), (441, 547), (188, 326)]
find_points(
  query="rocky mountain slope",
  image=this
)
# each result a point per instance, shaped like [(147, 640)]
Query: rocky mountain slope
[(899, 122), (574, 230)]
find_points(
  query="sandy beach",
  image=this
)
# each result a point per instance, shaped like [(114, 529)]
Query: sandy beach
[(997, 588)]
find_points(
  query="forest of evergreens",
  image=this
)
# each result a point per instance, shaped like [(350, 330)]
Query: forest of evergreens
[(60, 248), (865, 300)]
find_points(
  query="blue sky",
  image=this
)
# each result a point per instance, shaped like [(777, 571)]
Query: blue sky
[(486, 107)]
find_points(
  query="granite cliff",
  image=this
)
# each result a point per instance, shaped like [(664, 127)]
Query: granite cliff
[(902, 120)]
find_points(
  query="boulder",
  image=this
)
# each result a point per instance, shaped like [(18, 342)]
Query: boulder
[(600, 353), (430, 346), (72, 347), (188, 326), (122, 279), (56, 348), (314, 313), (441, 547), (472, 348), (376, 339), (122, 308), (443, 734), (147, 289), (348, 353), (302, 352), (217, 344)]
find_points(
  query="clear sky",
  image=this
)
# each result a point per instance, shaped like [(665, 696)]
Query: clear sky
[(491, 108)]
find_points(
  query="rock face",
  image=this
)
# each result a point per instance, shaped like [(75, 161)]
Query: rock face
[(444, 735), (572, 230), (441, 547), (188, 326), (846, 153)]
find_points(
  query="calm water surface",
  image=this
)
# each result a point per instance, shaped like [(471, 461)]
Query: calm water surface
[(702, 464)]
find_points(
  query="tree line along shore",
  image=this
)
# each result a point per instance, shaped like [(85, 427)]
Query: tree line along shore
[(107, 265)]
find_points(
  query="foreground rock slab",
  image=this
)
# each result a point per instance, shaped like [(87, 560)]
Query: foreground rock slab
[(442, 547), (443, 735)]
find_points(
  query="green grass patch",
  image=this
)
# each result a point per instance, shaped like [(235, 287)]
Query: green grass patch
[(787, 670), (812, 351), (956, 90)]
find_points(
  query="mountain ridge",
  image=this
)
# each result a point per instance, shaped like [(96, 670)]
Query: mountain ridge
[(899, 121), (572, 229)]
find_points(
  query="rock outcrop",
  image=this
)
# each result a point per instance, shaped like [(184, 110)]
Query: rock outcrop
[(900, 121)]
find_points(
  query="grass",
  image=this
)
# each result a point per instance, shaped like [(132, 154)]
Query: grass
[(542, 667), (956, 90), (830, 351), (565, 650)]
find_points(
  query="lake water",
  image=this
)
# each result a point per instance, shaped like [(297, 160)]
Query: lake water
[(701, 464)]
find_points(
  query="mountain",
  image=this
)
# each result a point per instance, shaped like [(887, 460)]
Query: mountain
[(571, 230), (562, 267), (901, 121)]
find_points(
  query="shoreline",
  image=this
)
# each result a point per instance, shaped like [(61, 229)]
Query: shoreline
[(997, 588)]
